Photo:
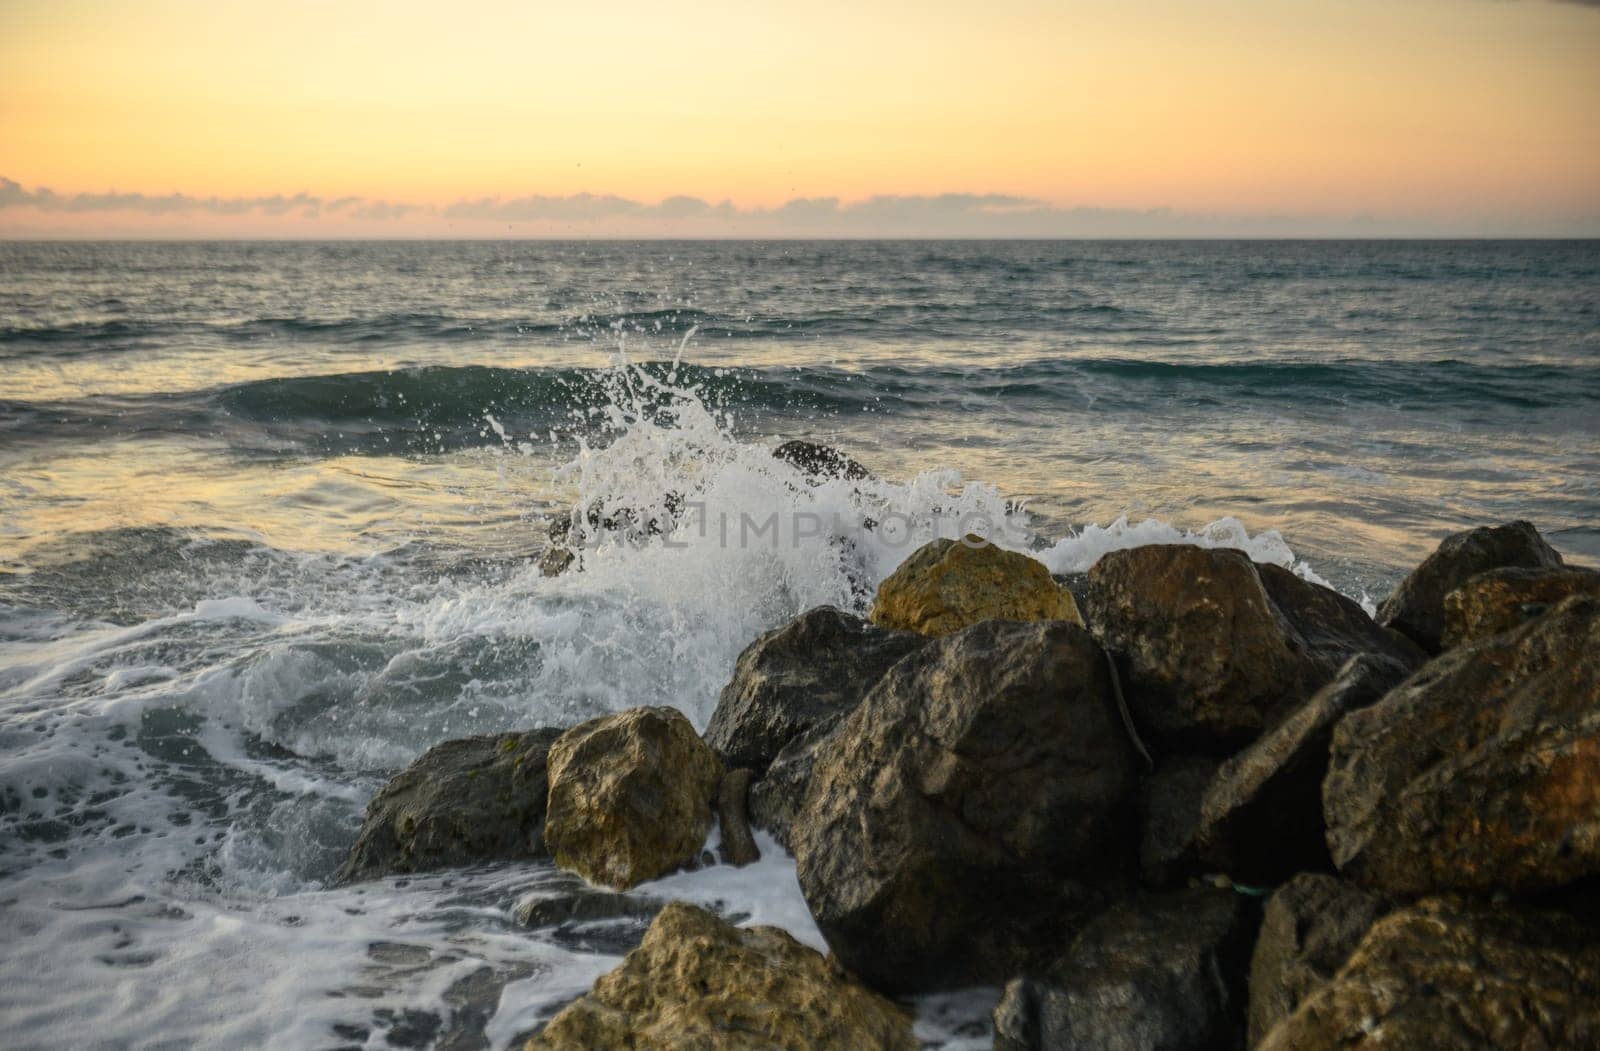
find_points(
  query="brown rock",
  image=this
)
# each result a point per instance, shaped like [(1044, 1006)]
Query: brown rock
[(1449, 974), (1165, 971), (1309, 929), (738, 845), (972, 811), (1416, 609), (1169, 818), (1214, 648), (948, 585), (1502, 599), (1481, 771), (630, 796), (1260, 819), (697, 982), (463, 802), (807, 672)]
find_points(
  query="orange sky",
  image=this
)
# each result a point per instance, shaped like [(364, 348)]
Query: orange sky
[(1250, 116)]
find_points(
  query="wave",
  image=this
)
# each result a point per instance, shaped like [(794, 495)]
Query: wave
[(439, 407)]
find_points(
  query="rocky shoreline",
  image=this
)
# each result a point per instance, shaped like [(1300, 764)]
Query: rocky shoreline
[(1189, 801)]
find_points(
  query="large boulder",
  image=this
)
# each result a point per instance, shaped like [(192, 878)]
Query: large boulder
[(698, 982), (1310, 927), (463, 802), (811, 670), (1416, 608), (630, 796), (1260, 819), (1215, 648), (1481, 771), (947, 585), (972, 811), (1446, 973), (1502, 599), (1165, 973)]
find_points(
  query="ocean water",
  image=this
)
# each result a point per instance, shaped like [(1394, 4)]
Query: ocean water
[(269, 515)]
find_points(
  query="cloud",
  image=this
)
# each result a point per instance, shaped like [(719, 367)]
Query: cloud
[(13, 195), (977, 215)]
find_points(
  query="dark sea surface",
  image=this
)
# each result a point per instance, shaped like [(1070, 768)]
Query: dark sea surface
[(268, 516)]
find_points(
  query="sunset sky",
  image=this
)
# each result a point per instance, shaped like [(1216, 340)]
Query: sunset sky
[(471, 118)]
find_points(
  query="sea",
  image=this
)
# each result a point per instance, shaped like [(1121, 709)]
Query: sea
[(271, 516)]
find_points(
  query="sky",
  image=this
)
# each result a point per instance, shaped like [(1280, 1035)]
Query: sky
[(1078, 118)]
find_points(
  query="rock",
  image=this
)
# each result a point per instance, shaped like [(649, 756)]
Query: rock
[(463, 802), (1311, 925), (1502, 599), (738, 845), (1214, 648), (585, 905), (811, 670), (1260, 820), (1481, 771), (697, 982), (820, 461), (1445, 973), (1165, 972), (556, 561), (1169, 817), (776, 799), (630, 796), (972, 811), (948, 585), (1416, 609)]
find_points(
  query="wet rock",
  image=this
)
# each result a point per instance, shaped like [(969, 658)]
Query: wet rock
[(1481, 771), (948, 585), (1214, 648), (1445, 973), (1164, 972), (584, 904), (776, 799), (1416, 609), (556, 560), (1169, 817), (1309, 929), (463, 802), (1261, 817), (630, 796), (811, 670), (696, 981), (820, 461), (738, 845), (972, 811), (1502, 599)]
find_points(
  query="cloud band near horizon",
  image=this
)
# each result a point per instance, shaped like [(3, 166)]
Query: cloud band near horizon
[(948, 214)]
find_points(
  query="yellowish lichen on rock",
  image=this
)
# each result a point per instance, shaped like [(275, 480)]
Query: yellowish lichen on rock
[(948, 585), (698, 982)]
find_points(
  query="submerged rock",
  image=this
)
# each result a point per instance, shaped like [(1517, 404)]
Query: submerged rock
[(1481, 771), (463, 802), (1309, 929), (1165, 972), (698, 982), (1215, 648), (947, 585), (630, 796), (1169, 818), (820, 461), (1502, 599), (1416, 609), (809, 671), (1261, 817), (1446, 973), (972, 811)]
